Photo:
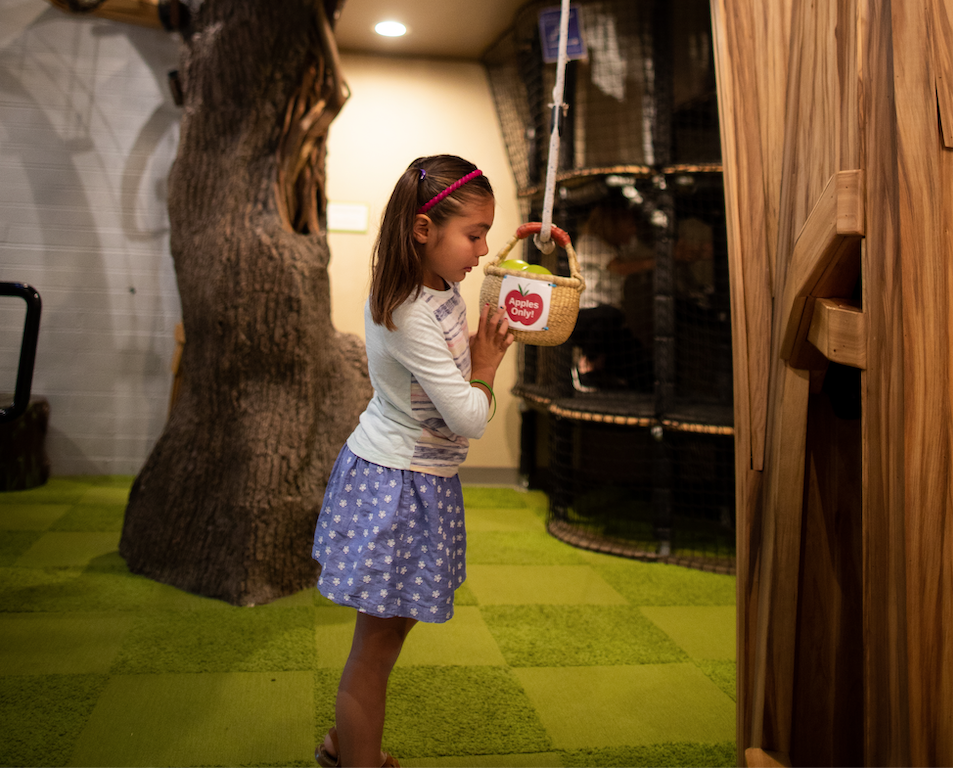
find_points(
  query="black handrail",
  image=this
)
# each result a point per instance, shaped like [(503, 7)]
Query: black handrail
[(31, 333)]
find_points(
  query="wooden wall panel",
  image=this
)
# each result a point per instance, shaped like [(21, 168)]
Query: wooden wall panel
[(822, 98), (751, 102), (771, 45), (774, 649), (864, 82), (828, 702), (885, 650), (851, 120), (740, 112), (749, 497), (942, 33), (823, 130), (810, 137), (936, 531), (737, 180), (926, 255)]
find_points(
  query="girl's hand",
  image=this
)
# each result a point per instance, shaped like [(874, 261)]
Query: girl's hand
[(489, 344)]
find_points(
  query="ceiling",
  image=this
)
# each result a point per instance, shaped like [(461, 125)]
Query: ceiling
[(456, 29)]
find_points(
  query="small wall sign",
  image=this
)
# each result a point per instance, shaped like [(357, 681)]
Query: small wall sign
[(347, 217)]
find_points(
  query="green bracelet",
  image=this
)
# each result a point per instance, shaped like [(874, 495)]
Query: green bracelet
[(492, 395)]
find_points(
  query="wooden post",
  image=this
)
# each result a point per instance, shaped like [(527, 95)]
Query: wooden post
[(925, 176)]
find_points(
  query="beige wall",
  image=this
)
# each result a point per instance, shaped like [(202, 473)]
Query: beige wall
[(401, 109), (83, 217)]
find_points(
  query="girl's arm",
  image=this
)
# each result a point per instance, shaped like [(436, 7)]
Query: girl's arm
[(419, 349)]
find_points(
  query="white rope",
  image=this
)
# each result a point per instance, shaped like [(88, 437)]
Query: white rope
[(543, 240)]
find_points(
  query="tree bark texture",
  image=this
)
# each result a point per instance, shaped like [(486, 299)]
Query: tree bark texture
[(225, 505)]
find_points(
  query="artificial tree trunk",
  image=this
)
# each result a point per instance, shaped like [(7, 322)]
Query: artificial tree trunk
[(225, 505)]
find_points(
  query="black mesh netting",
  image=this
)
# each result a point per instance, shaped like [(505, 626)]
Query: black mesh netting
[(629, 423)]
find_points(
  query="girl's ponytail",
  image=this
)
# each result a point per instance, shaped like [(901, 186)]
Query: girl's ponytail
[(396, 268)]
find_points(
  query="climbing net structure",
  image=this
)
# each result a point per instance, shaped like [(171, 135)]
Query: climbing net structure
[(628, 424)]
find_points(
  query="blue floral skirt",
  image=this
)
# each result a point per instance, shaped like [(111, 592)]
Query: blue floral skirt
[(391, 542)]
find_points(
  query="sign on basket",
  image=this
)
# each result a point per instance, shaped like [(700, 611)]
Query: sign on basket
[(526, 302)]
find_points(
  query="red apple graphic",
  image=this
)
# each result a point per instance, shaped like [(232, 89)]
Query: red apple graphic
[(523, 307)]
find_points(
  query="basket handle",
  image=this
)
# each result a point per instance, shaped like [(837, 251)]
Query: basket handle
[(535, 227), (559, 235)]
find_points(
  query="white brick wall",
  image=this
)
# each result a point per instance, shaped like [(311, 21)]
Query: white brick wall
[(87, 134)]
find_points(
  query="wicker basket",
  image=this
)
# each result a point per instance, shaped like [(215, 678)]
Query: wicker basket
[(564, 304)]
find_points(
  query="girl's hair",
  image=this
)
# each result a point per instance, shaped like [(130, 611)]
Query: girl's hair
[(397, 269)]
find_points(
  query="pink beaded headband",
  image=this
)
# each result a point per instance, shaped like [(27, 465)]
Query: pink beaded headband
[(448, 191)]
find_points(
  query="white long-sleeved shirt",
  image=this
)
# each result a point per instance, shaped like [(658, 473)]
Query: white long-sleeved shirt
[(424, 410)]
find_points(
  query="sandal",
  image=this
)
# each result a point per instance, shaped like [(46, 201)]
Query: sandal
[(326, 760), (321, 754)]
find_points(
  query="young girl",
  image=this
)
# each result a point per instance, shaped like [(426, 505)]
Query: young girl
[(390, 537)]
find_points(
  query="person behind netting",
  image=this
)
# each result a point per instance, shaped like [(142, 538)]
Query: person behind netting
[(607, 354)]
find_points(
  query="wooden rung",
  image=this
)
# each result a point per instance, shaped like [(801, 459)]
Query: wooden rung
[(826, 259), (839, 331), (755, 757)]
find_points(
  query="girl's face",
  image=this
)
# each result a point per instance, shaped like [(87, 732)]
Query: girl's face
[(453, 249)]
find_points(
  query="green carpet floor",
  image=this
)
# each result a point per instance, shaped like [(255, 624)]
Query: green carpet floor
[(556, 656)]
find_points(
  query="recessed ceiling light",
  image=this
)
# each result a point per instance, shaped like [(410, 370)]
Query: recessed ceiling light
[(390, 29)]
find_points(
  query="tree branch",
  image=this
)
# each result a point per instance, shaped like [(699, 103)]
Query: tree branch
[(300, 186)]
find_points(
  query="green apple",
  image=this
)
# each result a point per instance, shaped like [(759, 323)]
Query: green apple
[(538, 269), (514, 264)]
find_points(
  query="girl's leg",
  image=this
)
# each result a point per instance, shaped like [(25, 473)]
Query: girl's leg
[(362, 693)]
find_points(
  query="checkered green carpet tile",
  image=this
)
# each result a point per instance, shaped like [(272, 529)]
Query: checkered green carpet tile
[(556, 656)]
